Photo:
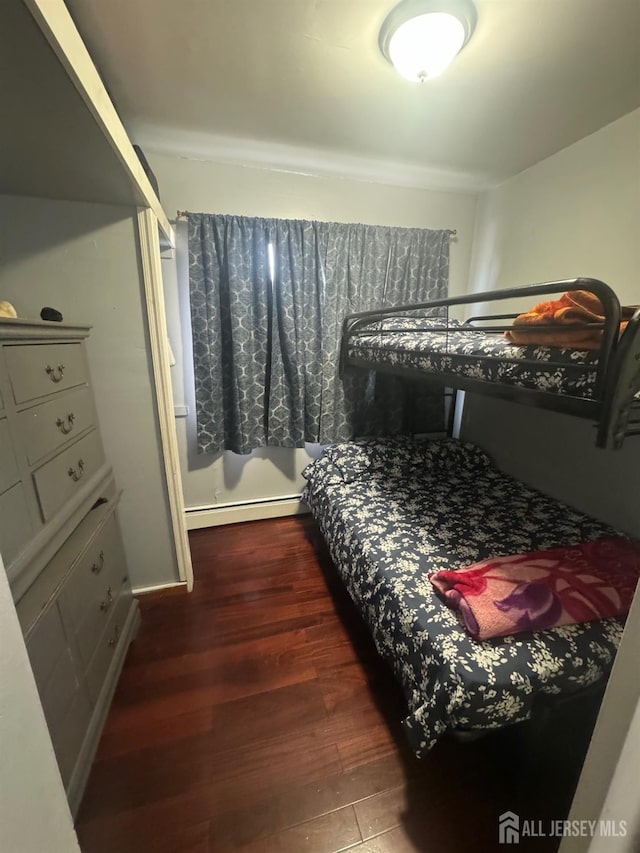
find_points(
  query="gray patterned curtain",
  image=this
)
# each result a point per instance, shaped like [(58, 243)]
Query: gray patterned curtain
[(299, 294), (266, 349), (230, 316), (369, 267)]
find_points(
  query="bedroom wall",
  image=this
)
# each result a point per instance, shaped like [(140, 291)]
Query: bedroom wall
[(202, 186), (83, 259), (576, 213)]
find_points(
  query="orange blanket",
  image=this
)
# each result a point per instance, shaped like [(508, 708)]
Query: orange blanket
[(576, 306)]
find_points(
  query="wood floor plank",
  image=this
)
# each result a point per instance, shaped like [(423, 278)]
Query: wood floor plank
[(190, 640), (232, 829), (381, 813), (118, 743), (234, 685), (243, 737), (263, 652), (330, 833), (398, 841), (120, 809), (366, 746)]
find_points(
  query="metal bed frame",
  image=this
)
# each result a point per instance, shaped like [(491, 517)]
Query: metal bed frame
[(614, 407)]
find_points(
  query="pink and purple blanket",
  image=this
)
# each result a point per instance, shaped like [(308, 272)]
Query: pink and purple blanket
[(543, 589)]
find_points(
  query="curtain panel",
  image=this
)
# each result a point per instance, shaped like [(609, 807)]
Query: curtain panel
[(268, 297)]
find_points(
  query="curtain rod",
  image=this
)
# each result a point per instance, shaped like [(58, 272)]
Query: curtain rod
[(183, 214)]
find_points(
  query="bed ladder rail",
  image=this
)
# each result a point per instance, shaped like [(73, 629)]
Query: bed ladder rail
[(621, 409)]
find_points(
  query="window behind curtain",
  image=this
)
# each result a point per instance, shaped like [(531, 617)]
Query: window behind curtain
[(268, 297)]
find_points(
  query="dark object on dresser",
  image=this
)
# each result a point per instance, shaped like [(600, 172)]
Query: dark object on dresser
[(51, 314)]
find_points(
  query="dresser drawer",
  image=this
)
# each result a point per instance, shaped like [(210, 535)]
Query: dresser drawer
[(15, 523), (46, 644), (90, 594), (108, 643), (37, 370), (68, 733), (58, 691), (59, 479), (54, 671), (50, 425), (8, 466)]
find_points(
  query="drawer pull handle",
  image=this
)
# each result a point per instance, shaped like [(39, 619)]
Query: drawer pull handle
[(65, 428), (114, 639), (76, 473), (106, 604), (96, 568), (55, 374)]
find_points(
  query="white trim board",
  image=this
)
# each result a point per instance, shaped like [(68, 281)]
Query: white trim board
[(234, 513), (144, 590), (157, 326)]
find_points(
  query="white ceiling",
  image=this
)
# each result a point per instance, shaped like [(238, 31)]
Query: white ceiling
[(301, 84)]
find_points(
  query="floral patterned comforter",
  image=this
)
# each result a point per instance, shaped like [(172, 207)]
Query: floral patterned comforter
[(407, 342), (393, 510)]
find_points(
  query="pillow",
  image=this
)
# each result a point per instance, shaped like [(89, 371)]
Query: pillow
[(399, 456), (393, 455), (351, 460), (459, 457), (322, 470), (403, 456)]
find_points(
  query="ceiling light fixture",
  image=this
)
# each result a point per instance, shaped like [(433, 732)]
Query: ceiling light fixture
[(422, 37)]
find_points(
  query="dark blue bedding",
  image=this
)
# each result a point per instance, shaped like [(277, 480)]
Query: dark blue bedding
[(394, 510)]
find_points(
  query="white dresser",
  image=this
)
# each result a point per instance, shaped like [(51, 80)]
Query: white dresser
[(59, 536)]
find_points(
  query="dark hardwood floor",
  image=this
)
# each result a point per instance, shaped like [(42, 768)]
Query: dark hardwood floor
[(254, 715)]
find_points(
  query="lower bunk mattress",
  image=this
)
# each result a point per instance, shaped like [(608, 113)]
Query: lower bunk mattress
[(392, 511)]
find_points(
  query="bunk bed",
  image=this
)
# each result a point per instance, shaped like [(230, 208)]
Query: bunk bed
[(425, 341), (394, 510)]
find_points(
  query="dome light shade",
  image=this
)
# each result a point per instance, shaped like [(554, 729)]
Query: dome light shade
[(422, 37)]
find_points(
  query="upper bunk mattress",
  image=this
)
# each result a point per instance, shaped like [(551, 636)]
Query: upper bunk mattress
[(408, 342), (393, 511)]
